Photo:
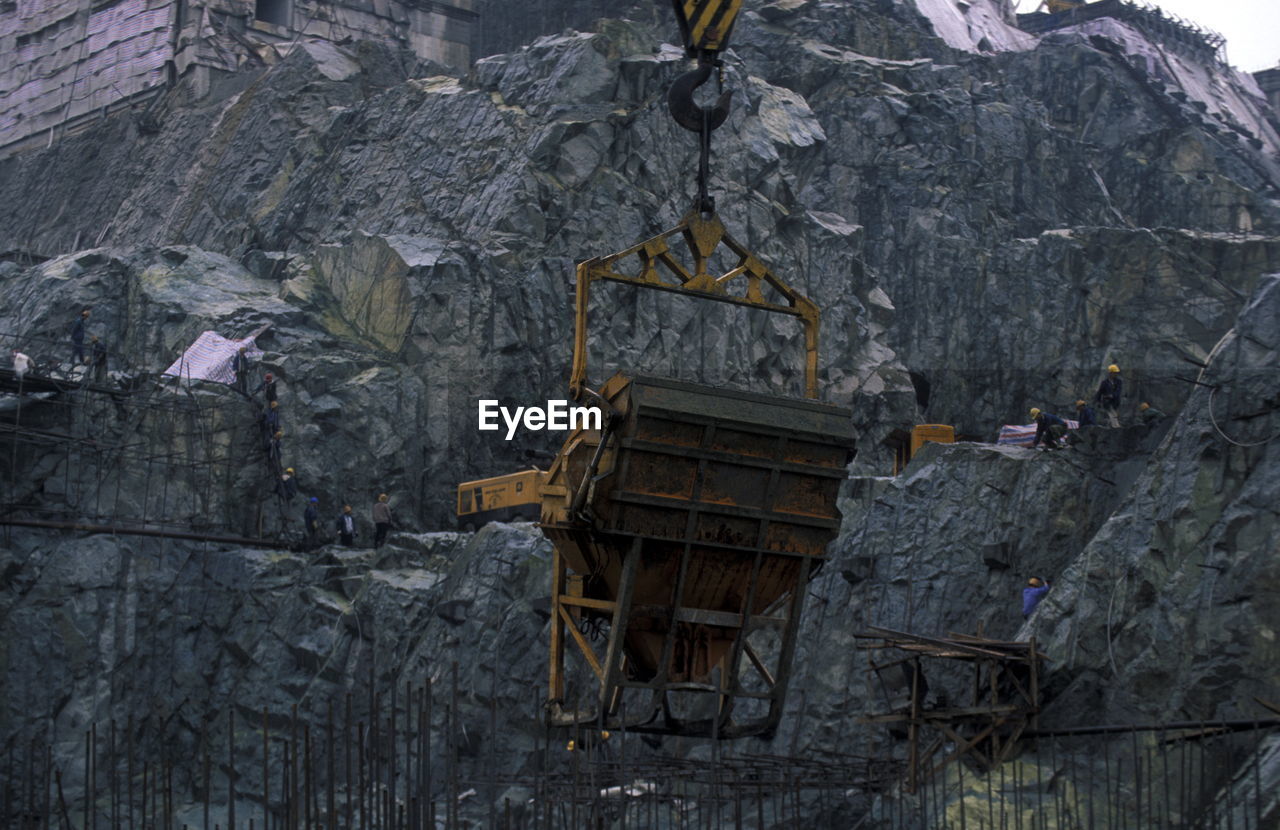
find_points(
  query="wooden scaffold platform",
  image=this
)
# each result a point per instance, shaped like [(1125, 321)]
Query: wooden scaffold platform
[(1004, 700)]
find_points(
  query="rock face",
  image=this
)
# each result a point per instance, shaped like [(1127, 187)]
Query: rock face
[(983, 234), (171, 635), (1188, 563), (431, 224)]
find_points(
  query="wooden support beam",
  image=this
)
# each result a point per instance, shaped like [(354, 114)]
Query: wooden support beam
[(555, 684), (583, 645), (702, 616), (585, 602), (759, 664)]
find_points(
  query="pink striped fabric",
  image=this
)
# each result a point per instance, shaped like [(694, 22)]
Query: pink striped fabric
[(1021, 435), (209, 358)]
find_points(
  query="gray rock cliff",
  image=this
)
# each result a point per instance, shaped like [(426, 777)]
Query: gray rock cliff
[(983, 232)]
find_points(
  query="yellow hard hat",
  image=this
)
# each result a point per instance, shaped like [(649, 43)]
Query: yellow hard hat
[(1113, 368), (1144, 406), (1080, 403), (1035, 413), (570, 746), (288, 469)]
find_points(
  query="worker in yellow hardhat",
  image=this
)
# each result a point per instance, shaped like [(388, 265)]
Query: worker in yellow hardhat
[(1148, 414), (1108, 396), (1049, 428), (1084, 415), (288, 485), (1032, 594)]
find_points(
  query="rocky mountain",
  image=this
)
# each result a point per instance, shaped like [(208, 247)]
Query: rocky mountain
[(985, 225)]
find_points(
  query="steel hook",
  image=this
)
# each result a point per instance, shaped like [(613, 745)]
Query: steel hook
[(686, 111)]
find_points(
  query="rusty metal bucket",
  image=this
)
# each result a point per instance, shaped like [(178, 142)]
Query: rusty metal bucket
[(691, 517)]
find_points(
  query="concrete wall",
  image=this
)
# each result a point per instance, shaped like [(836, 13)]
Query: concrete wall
[(65, 61)]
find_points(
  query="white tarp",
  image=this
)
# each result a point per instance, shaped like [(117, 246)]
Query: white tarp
[(209, 358)]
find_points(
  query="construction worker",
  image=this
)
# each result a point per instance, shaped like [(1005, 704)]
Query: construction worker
[(77, 337), (273, 416), (267, 387), (21, 364), (1049, 428), (1108, 396), (1032, 594), (347, 527), (310, 517), (273, 448), (1084, 415), (1148, 414), (288, 485), (381, 520), (98, 358), (240, 366)]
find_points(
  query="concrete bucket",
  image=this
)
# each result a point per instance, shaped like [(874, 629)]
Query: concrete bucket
[(685, 530)]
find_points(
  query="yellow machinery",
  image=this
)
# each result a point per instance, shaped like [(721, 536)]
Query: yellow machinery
[(689, 524), (1055, 6), (906, 445), (513, 497), (922, 434)]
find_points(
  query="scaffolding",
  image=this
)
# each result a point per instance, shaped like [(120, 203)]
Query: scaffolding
[(117, 448), (1169, 29), (426, 754), (1005, 697)]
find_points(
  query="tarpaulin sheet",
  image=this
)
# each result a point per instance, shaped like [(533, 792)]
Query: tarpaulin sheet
[(1021, 435), (209, 358)]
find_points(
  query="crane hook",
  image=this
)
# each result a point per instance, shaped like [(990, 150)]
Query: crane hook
[(686, 111)]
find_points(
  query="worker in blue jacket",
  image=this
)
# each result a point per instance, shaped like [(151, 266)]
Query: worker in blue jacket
[(77, 338), (311, 517), (1085, 416), (1032, 594), (1049, 428)]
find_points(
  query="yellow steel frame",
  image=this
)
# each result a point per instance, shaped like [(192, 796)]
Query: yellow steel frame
[(703, 235), (708, 22)]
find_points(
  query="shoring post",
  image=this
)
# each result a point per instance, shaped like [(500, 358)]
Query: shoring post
[(452, 747), (430, 794), (330, 802), (308, 782), (1033, 657), (292, 768), (48, 791), (618, 629), (231, 768), (208, 782), (266, 772), (913, 737), (115, 781), (364, 819), (391, 755), (493, 739), (346, 762), (555, 665), (88, 816)]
